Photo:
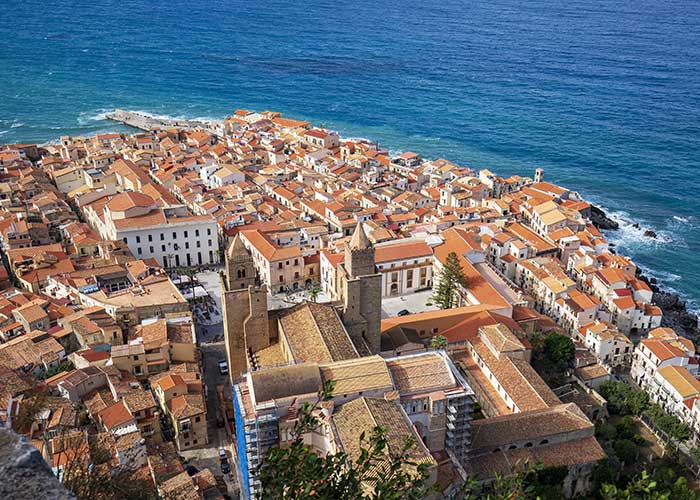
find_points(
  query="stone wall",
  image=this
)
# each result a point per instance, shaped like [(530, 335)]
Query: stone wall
[(24, 473)]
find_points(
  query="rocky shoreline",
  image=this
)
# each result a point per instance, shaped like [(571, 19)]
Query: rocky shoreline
[(601, 220), (674, 308)]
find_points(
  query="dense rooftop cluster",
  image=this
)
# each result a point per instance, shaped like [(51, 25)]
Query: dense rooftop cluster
[(90, 226)]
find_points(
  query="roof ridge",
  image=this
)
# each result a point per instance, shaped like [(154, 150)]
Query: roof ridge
[(318, 329)]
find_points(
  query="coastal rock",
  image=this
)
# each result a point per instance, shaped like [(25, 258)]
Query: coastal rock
[(676, 315), (650, 234), (675, 310), (601, 220)]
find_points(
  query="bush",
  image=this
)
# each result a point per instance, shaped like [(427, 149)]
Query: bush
[(625, 427), (668, 423), (66, 366), (623, 399), (559, 348), (626, 451), (607, 432)]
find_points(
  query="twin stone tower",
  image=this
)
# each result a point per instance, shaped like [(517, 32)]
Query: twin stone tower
[(249, 327)]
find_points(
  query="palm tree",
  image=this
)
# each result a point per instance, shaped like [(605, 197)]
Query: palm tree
[(314, 291), (190, 272), (438, 343)]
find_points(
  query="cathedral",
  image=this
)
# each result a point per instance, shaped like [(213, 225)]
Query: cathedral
[(307, 332)]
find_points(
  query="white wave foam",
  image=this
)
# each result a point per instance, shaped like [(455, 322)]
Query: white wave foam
[(630, 234), (176, 117), (3, 132), (16, 124), (662, 276)]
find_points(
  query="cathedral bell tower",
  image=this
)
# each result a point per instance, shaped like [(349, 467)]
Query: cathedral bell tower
[(240, 269)]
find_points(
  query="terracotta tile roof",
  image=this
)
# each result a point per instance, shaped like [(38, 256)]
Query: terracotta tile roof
[(401, 251), (681, 380), (501, 338), (187, 405), (362, 416), (285, 381), (586, 450), (663, 350), (421, 373), (115, 415), (518, 379), (315, 333), (268, 250), (125, 201), (491, 433), (355, 375)]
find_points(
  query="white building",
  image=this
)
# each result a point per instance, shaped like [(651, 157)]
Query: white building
[(610, 347), (170, 235), (662, 348), (406, 266)]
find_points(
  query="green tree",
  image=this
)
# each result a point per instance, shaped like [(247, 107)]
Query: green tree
[(641, 488), (314, 291), (438, 343), (670, 424), (560, 349), (626, 451), (607, 432), (626, 428), (450, 279), (296, 472), (604, 472), (637, 401)]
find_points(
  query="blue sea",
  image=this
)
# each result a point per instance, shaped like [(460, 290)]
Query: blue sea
[(604, 95)]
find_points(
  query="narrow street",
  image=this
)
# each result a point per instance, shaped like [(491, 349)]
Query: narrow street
[(213, 350)]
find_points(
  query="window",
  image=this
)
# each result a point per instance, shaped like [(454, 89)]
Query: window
[(208, 242), (197, 419), (208, 231), (279, 265), (150, 237), (162, 247), (296, 262), (139, 250), (150, 249), (174, 235), (125, 241), (196, 233), (162, 236), (138, 239), (186, 235), (199, 243), (187, 244), (281, 279)]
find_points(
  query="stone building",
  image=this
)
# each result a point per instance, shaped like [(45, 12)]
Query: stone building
[(360, 291), (307, 332), (244, 307)]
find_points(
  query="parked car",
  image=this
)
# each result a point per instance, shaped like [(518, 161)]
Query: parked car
[(225, 468), (404, 312), (191, 470), (222, 453), (223, 367)]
